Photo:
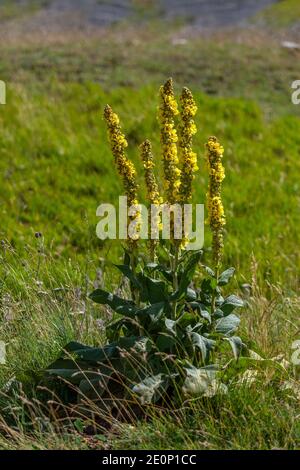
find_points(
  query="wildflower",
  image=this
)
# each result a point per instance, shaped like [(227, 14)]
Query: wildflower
[(168, 110), (151, 184), (152, 189), (216, 215), (188, 157), (124, 166)]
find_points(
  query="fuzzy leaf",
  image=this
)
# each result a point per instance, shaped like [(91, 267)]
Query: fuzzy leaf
[(236, 344), (153, 290), (230, 303), (127, 272), (226, 276), (227, 324), (151, 388), (119, 305), (202, 382), (199, 342), (187, 275)]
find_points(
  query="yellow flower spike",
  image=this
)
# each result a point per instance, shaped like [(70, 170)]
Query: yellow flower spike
[(188, 157), (216, 215), (152, 189), (124, 166), (150, 180), (168, 110)]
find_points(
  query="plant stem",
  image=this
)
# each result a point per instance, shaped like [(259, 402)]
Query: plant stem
[(174, 266)]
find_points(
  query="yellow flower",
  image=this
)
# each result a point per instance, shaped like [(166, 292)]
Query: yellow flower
[(168, 110), (150, 180), (188, 157), (216, 215), (152, 191), (124, 166)]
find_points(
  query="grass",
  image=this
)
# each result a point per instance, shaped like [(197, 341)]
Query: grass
[(56, 168), (282, 14), (218, 66), (11, 9)]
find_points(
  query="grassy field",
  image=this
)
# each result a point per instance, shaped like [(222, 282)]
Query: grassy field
[(281, 15), (10, 10), (56, 168)]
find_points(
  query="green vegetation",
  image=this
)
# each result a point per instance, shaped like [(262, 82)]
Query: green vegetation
[(10, 9), (282, 14), (56, 168), (132, 59)]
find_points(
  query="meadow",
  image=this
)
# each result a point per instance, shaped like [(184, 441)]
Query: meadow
[(56, 168)]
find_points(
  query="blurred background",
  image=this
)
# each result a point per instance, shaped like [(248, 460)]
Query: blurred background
[(63, 60)]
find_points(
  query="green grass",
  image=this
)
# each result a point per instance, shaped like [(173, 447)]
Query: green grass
[(131, 58), (11, 9), (56, 168), (283, 14)]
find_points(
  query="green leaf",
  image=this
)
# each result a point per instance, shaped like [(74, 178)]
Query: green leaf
[(199, 342), (236, 344), (97, 355), (126, 257), (72, 375), (151, 389), (153, 290), (206, 286), (218, 313), (201, 382), (227, 324), (204, 344), (128, 272), (165, 342), (189, 271), (119, 305), (191, 295), (154, 312), (170, 325), (201, 308), (138, 344), (187, 318), (167, 273), (226, 276), (114, 329), (230, 303), (74, 346), (209, 271), (94, 388), (187, 275)]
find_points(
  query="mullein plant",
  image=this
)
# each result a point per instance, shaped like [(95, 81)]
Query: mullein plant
[(153, 194), (174, 337)]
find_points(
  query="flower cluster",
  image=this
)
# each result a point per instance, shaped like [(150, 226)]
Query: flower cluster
[(150, 180), (152, 190), (216, 216), (124, 166), (168, 110), (187, 130), (118, 144)]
